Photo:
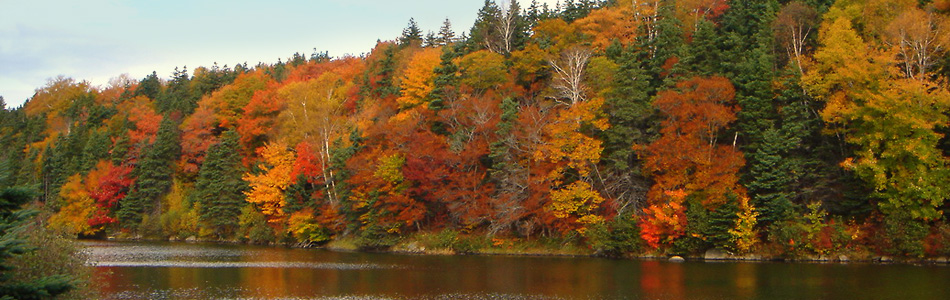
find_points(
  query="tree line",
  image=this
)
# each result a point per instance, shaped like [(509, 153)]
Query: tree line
[(787, 128)]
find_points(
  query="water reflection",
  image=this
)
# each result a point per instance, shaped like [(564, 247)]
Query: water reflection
[(194, 271)]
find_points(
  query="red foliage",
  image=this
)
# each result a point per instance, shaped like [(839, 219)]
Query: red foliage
[(110, 189), (307, 164)]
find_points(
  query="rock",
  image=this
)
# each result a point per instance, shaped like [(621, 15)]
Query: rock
[(942, 260), (191, 239), (716, 254), (752, 257), (677, 259), (843, 258), (885, 259)]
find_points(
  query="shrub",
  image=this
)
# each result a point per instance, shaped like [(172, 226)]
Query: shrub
[(613, 239)]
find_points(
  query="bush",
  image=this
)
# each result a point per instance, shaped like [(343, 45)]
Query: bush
[(613, 239), (254, 227), (938, 242), (904, 235), (53, 255), (374, 238)]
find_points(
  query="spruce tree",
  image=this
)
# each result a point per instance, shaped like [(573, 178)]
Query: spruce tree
[(411, 35), (219, 190), (11, 245), (154, 175)]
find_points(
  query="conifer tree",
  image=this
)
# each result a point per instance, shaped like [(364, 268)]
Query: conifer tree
[(219, 190), (154, 175), (411, 35), (11, 245)]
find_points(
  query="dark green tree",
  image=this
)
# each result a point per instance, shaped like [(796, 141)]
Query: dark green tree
[(178, 97), (153, 175), (446, 35), (12, 220), (219, 189), (149, 86), (411, 35)]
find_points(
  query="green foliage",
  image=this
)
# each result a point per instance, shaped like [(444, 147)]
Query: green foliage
[(904, 234), (154, 176), (615, 237), (630, 113), (219, 189), (30, 277), (253, 227), (373, 237)]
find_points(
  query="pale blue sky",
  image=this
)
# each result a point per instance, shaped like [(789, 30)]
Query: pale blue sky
[(96, 40)]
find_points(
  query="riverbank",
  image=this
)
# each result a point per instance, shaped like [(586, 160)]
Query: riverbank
[(453, 243), (428, 244)]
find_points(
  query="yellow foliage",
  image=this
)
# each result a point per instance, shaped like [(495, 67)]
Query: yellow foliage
[(390, 168), (577, 198), (417, 81), (566, 142), (77, 207), (267, 188), (743, 233)]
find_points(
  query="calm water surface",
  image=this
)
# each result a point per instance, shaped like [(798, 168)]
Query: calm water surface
[(206, 271)]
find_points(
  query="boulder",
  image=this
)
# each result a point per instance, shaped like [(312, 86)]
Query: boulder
[(677, 259), (942, 260), (884, 259), (843, 258), (717, 254)]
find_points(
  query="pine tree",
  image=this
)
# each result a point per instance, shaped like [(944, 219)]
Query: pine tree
[(484, 33), (149, 87), (154, 175), (446, 35), (629, 111), (219, 190), (412, 35), (179, 96)]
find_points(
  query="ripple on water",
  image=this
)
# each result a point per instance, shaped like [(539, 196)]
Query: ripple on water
[(195, 293), (224, 264)]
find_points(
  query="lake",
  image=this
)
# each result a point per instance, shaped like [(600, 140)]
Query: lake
[(160, 270)]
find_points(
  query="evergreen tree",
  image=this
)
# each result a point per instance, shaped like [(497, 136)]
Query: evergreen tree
[(629, 112), (446, 35), (446, 79), (219, 189), (149, 87), (12, 245), (97, 148), (154, 175), (179, 96), (484, 33), (412, 35)]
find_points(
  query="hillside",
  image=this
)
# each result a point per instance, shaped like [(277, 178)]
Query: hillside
[(665, 126)]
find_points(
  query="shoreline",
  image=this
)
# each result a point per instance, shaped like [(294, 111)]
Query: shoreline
[(411, 247)]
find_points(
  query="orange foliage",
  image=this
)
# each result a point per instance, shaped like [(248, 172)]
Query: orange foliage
[(259, 118), (144, 120), (417, 81), (605, 25), (198, 134), (687, 160), (267, 188)]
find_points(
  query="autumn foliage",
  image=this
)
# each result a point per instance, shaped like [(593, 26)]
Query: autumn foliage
[(676, 125)]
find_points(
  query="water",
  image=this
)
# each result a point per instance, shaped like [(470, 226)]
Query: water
[(207, 271)]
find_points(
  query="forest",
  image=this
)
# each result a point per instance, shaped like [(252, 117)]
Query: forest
[(783, 128)]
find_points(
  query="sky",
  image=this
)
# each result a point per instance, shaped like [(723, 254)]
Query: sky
[(95, 40)]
